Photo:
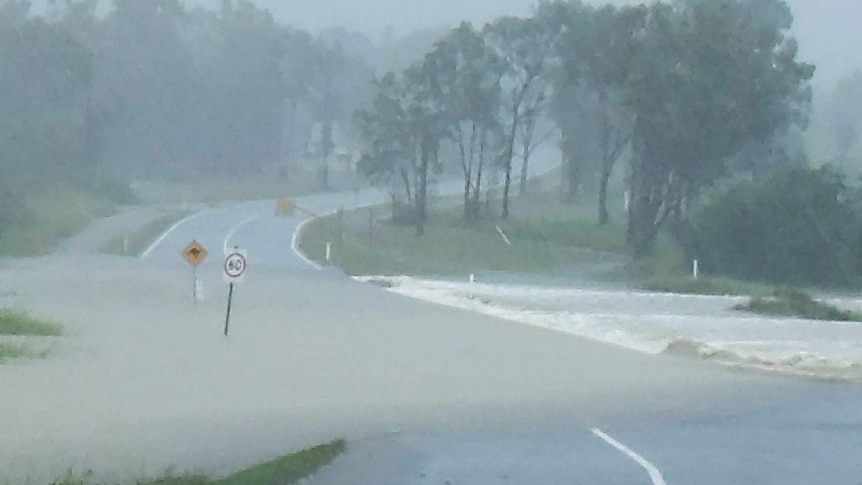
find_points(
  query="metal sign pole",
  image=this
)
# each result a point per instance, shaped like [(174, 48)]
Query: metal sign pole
[(227, 316)]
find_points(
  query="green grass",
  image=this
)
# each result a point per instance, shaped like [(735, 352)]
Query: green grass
[(8, 351), (137, 241), (448, 246), (703, 285), (284, 470), (547, 236), (18, 323), (287, 469), (50, 217), (793, 303)]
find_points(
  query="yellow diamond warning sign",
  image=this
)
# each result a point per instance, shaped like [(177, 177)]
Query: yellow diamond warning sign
[(194, 253), (285, 207)]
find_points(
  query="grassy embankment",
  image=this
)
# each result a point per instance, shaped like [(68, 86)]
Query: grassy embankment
[(284, 470), (49, 217), (546, 236), (19, 324), (135, 242)]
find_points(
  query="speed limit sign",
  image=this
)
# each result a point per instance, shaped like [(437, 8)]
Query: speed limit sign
[(235, 264)]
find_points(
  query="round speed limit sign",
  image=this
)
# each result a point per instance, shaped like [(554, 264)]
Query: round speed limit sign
[(235, 264)]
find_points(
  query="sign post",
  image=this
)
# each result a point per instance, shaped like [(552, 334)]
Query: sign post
[(195, 254), (235, 263)]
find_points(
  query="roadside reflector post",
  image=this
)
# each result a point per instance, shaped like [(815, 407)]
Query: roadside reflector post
[(695, 269), (328, 251)]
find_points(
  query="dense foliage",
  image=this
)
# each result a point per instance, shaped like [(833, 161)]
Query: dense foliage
[(686, 88), (92, 99), (797, 227)]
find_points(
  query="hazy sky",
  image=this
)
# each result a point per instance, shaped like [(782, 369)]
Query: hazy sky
[(829, 30)]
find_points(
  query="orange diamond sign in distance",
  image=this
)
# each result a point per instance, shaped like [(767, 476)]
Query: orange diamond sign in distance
[(194, 253)]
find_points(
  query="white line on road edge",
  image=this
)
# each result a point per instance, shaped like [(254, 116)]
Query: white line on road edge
[(166, 234), (294, 242), (654, 473), (297, 233), (233, 231)]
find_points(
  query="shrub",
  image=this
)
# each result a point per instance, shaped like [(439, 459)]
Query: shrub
[(797, 227)]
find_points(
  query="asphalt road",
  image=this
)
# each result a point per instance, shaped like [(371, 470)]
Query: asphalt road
[(144, 380), (769, 430)]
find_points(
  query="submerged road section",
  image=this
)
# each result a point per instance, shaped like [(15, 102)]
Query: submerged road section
[(144, 380)]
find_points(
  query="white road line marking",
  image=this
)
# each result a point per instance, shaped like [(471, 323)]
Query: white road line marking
[(167, 233), (654, 473), (297, 233), (294, 242), (233, 231)]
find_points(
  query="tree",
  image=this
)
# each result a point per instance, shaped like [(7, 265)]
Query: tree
[(709, 77), (45, 131), (845, 113), (402, 131), (798, 226), (524, 47), (595, 53), (466, 82), (337, 89), (389, 154)]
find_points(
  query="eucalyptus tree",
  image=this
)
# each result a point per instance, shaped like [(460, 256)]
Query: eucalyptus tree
[(524, 45), (466, 78), (844, 114), (708, 78), (402, 131)]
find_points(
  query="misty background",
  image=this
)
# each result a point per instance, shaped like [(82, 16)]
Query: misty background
[(828, 31), (129, 101)]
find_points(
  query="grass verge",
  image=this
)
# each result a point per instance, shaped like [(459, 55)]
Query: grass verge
[(8, 351), (135, 242), (546, 234), (794, 303), (287, 469), (449, 246), (703, 285), (50, 217), (284, 470), (19, 323)]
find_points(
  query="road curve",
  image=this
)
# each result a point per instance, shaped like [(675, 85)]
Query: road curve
[(145, 379)]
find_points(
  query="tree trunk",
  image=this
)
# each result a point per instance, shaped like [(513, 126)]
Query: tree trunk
[(326, 147), (604, 215), (522, 190), (406, 180), (422, 189), (527, 142), (507, 185), (477, 192), (653, 201), (466, 171)]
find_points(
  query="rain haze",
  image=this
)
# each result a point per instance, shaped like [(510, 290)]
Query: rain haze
[(828, 31), (343, 242)]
